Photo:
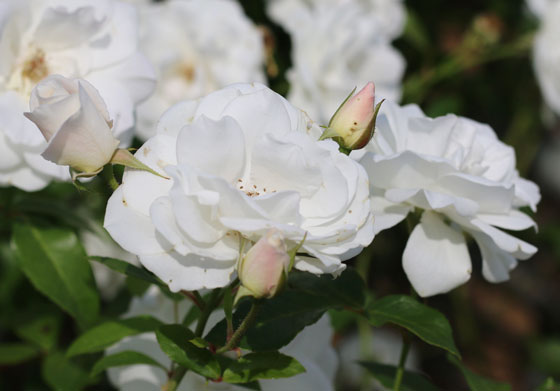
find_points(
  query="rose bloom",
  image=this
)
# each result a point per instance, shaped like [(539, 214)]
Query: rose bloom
[(546, 56), (96, 41), (339, 44), (463, 179), (197, 47), (242, 161), (312, 348)]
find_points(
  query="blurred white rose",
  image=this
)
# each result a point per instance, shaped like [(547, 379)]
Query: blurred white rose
[(464, 179), (242, 161), (197, 46), (546, 55), (338, 44), (540, 7), (97, 242), (312, 348), (74, 121), (96, 41)]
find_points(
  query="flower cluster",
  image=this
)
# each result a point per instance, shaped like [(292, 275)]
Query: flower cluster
[(242, 161), (96, 41)]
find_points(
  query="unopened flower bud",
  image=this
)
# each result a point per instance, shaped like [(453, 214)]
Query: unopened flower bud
[(353, 124), (263, 270), (74, 120)]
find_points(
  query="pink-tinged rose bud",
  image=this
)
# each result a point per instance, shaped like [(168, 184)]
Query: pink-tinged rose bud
[(263, 270), (353, 124), (74, 120)]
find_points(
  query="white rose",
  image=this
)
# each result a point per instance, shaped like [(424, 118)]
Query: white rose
[(464, 179), (242, 161), (540, 7), (197, 47), (312, 348), (75, 123), (339, 44), (96, 41), (546, 56)]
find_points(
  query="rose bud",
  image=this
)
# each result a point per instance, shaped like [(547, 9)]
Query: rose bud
[(74, 120), (263, 270), (353, 123)]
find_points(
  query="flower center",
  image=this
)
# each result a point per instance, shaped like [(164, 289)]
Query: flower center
[(29, 72), (35, 67), (251, 189)]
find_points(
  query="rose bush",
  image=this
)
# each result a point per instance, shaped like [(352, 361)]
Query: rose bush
[(242, 161), (464, 179), (96, 41), (191, 59)]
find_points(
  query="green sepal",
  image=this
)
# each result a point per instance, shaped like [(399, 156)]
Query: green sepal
[(127, 159)]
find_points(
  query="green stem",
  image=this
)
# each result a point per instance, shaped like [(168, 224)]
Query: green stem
[(174, 380), (109, 176), (242, 329), (400, 370), (210, 306), (417, 86), (195, 297)]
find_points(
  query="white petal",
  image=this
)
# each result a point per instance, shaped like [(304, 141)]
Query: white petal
[(214, 147), (177, 116), (386, 214), (84, 141), (514, 220), (405, 170), (436, 258), (189, 272), (526, 193), (493, 197), (515, 247), (141, 188), (496, 263), (132, 230)]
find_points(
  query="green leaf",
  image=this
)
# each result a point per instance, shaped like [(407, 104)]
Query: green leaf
[(128, 269), (136, 272), (15, 353), (62, 374), (174, 340), (477, 382), (262, 365), (108, 333), (127, 357), (43, 331), (347, 290), (302, 303), (385, 374), (57, 265), (428, 324)]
